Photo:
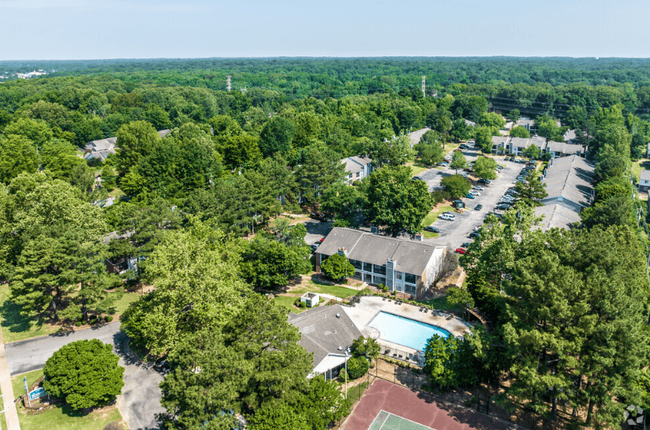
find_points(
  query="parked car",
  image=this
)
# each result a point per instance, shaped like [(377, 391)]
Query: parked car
[(161, 366), (503, 206), (463, 146), (470, 196), (318, 216), (314, 246), (484, 181), (417, 178), (478, 207), (474, 193), (465, 244), (461, 250), (474, 235), (447, 217), (478, 187), (512, 192), (432, 229)]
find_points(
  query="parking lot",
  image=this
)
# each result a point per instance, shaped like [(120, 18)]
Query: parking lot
[(454, 233)]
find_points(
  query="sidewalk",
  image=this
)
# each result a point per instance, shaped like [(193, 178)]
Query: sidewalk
[(11, 414)]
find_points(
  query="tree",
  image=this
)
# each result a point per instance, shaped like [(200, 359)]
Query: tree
[(239, 150), (357, 367), (278, 415), (484, 138), (366, 347), (519, 131), (437, 359), (514, 116), (17, 155), (615, 210), (460, 130), (492, 119), (456, 185), (469, 106), (532, 191), (195, 272), (35, 131), (337, 267), (547, 127), (394, 152), (612, 187), (396, 201), (59, 158), (136, 141), (318, 171), (460, 297), (276, 136), (267, 263), (343, 201), (533, 152), (485, 168), (458, 161), (610, 165), (85, 373)]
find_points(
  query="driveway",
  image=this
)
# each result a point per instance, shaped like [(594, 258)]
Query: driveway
[(316, 230), (454, 233), (140, 398)]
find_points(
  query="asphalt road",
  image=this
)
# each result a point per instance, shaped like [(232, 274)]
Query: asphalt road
[(140, 398), (316, 230), (454, 233)]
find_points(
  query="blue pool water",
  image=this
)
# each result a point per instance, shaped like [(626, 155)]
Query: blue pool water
[(405, 331)]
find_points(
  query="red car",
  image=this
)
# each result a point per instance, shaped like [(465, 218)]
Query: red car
[(461, 250)]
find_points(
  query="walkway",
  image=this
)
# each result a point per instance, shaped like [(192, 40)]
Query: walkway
[(11, 414)]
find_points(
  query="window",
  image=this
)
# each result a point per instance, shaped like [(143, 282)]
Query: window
[(367, 267), (410, 290), (380, 269), (356, 264), (411, 279), (357, 275), (398, 276), (380, 280)]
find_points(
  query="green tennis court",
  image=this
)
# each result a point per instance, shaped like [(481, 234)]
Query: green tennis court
[(387, 421)]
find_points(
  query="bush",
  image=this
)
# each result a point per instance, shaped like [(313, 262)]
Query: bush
[(109, 318), (303, 304), (357, 367), (78, 323), (85, 373)]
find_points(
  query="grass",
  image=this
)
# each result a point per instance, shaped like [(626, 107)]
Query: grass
[(355, 393), (67, 419), (125, 301), (429, 234), (639, 165), (433, 215), (18, 327), (287, 302), (418, 169), (334, 290), (18, 384)]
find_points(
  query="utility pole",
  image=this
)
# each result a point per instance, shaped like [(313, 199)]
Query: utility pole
[(424, 85), (228, 86)]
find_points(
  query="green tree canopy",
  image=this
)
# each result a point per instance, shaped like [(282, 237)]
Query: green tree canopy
[(485, 168), (519, 131), (85, 373), (456, 185), (337, 267), (396, 201)]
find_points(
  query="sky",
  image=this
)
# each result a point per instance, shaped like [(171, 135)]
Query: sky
[(108, 29)]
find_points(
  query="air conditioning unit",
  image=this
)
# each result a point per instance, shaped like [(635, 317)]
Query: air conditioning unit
[(374, 230)]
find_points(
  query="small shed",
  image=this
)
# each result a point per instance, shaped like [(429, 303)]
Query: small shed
[(310, 299)]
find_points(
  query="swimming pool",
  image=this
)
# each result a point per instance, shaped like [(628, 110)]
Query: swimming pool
[(405, 331)]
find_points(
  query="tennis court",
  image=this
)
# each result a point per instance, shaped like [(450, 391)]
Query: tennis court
[(387, 421)]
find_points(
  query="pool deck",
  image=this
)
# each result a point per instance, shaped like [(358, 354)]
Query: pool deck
[(368, 307)]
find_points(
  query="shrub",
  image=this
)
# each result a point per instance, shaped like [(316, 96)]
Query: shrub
[(85, 373), (78, 323), (357, 367), (109, 318), (303, 304)]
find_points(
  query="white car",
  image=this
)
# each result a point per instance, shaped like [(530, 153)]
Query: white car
[(448, 217), (474, 193), (478, 187)]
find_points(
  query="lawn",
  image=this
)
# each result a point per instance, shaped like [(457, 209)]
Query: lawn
[(333, 290), (125, 301), (639, 165), (433, 215), (66, 419), (418, 169), (18, 327), (287, 302), (18, 384)]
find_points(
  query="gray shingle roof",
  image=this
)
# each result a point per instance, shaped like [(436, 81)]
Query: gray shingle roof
[(355, 164), (323, 333), (415, 136), (410, 256), (556, 216), (645, 175), (570, 178)]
